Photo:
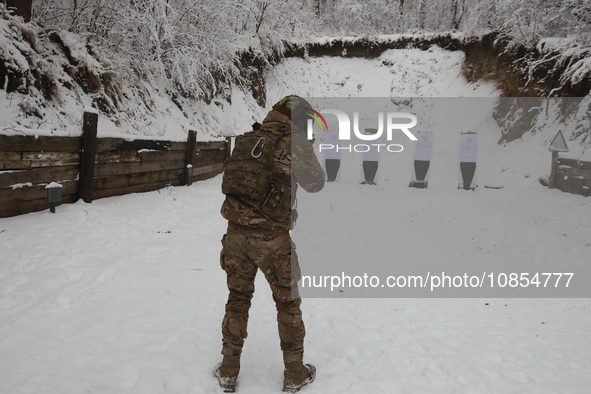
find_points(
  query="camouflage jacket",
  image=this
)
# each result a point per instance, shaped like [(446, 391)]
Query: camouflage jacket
[(294, 156)]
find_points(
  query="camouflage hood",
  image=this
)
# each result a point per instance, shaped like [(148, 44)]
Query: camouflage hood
[(292, 106), (290, 110)]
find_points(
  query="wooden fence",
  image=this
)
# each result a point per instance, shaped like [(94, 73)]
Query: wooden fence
[(90, 168), (573, 176)]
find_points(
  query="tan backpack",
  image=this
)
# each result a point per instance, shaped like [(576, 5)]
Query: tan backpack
[(249, 175)]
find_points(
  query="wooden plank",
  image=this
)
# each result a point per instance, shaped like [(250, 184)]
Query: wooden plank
[(103, 170), (135, 157), (28, 193), (568, 184), (586, 165), (208, 168), (574, 185), (138, 145), (212, 153), (177, 145), (211, 145), (136, 189), (560, 181), (15, 165), (119, 181), (117, 157), (587, 187), (10, 156), (52, 159), (107, 144), (39, 175), (207, 175), (22, 207), (20, 143), (111, 144), (120, 144), (205, 161), (577, 172), (162, 156)]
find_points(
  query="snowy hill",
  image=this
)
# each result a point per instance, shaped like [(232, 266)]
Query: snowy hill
[(50, 75)]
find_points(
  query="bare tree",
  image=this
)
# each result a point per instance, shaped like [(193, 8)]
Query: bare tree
[(421, 14), (457, 11), (260, 16)]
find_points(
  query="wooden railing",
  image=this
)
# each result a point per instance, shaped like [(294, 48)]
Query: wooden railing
[(573, 176), (90, 168)]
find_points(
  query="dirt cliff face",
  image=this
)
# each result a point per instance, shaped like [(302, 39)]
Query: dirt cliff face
[(517, 70), (533, 78), (524, 72), (521, 73)]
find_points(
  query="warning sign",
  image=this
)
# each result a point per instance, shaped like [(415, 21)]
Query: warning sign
[(558, 144)]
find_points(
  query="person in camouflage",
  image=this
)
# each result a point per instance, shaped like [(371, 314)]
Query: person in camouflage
[(254, 241)]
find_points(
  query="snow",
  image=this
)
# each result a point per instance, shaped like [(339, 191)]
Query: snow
[(91, 110), (575, 57), (410, 73), (580, 70), (125, 295), (166, 123), (53, 185), (19, 185)]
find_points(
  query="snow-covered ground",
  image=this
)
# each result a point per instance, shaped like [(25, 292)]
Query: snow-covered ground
[(125, 295)]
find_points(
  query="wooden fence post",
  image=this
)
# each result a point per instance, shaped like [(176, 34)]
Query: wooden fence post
[(190, 157), (554, 168), (87, 156), (228, 149)]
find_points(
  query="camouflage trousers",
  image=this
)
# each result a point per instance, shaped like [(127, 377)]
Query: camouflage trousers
[(244, 252)]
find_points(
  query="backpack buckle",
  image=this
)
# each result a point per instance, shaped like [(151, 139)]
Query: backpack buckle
[(262, 139)]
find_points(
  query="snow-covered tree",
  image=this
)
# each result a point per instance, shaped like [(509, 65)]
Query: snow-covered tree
[(193, 46)]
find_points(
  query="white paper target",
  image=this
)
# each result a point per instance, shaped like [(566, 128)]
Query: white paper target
[(332, 139), (371, 150), (424, 146), (468, 148)]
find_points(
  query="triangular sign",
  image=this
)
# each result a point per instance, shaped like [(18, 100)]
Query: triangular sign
[(558, 144)]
